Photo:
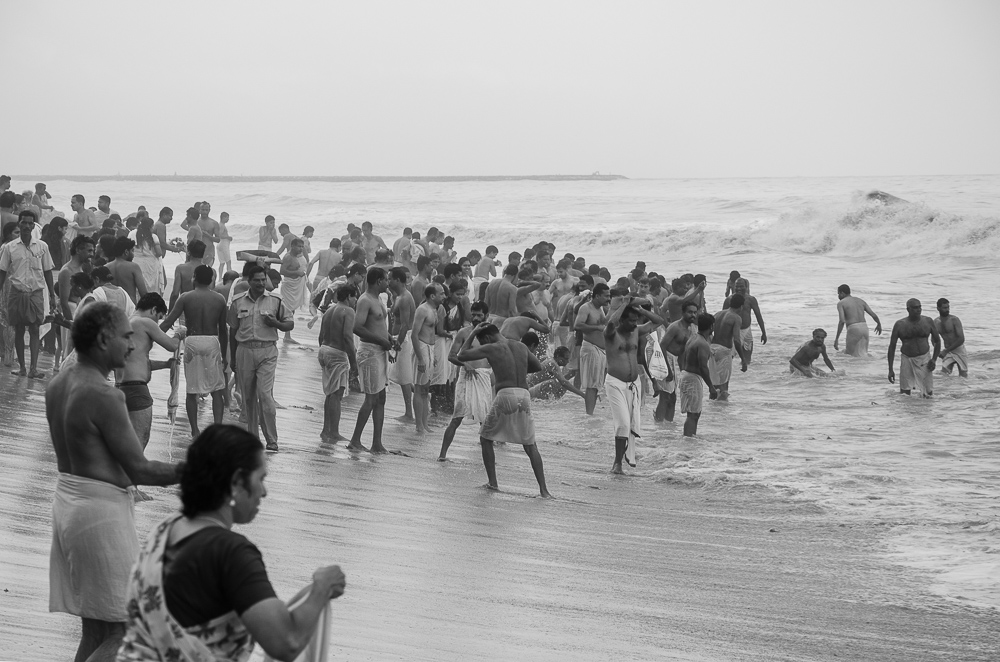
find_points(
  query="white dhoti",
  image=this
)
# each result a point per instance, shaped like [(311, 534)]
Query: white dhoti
[(294, 293), (94, 546), (720, 365), (442, 366), (623, 398), (473, 394), (956, 357), (914, 374), (203, 365), (856, 342), (401, 372)]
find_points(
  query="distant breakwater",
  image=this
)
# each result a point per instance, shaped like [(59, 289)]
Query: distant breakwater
[(344, 179)]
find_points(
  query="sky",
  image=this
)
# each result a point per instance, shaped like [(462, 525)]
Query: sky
[(642, 89)]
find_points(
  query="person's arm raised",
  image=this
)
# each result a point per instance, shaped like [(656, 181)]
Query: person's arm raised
[(470, 353), (283, 633)]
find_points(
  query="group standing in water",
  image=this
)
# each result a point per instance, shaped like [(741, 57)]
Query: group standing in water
[(467, 337)]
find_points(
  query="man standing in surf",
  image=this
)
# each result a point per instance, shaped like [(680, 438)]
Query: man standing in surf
[(851, 311), (746, 333), (591, 321), (695, 374), (509, 418), (916, 367), (953, 335), (621, 340), (370, 325)]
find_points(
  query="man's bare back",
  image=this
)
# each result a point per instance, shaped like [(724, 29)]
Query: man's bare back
[(337, 328), (727, 327), (203, 309)]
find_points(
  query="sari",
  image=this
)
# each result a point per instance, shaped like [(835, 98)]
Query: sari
[(155, 636)]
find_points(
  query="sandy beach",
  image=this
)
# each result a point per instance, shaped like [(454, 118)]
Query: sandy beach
[(440, 569)]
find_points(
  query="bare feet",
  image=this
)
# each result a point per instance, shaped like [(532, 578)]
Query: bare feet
[(35, 374), (491, 487), (546, 495), (405, 418), (443, 459), (617, 469), (356, 446), (378, 450), (19, 373), (291, 341), (331, 438)]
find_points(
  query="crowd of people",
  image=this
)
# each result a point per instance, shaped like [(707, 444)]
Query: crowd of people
[(465, 337)]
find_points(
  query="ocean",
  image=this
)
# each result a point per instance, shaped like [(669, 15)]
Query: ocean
[(924, 475)]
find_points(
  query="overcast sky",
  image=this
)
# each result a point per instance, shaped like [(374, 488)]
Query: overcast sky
[(644, 89)]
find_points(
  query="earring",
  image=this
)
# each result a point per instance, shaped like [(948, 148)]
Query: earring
[(232, 503)]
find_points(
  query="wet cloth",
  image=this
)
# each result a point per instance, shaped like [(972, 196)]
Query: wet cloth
[(442, 366), (692, 392), (373, 367), (401, 372), (593, 365), (914, 374), (93, 548), (203, 364), (154, 634), (336, 367), (623, 398), (956, 357), (509, 418), (294, 293), (151, 266), (720, 364), (856, 343), (671, 385), (425, 353), (137, 395), (25, 308), (746, 341), (473, 393)]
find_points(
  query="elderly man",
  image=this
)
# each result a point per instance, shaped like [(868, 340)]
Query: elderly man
[(916, 367), (29, 266), (100, 460)]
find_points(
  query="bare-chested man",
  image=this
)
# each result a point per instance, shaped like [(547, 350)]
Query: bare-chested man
[(621, 342), (126, 273), (325, 260), (373, 358), (425, 333), (206, 345), (267, 235), (81, 256), (671, 309), (509, 418), (953, 338), (502, 295), (99, 459), (695, 374), (421, 280), (746, 333), (851, 311), (591, 322), (674, 341), (473, 390), (802, 361), (211, 232), (916, 369), (138, 368), (336, 357), (514, 328), (401, 325), (527, 283), (726, 341), (184, 273)]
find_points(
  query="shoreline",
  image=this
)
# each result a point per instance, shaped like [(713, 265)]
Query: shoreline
[(614, 568)]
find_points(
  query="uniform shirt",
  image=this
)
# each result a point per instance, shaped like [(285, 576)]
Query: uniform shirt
[(26, 265), (245, 316)]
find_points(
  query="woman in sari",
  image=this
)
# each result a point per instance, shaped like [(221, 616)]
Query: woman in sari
[(199, 591), (149, 256)]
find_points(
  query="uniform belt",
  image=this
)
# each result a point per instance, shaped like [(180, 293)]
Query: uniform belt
[(257, 344)]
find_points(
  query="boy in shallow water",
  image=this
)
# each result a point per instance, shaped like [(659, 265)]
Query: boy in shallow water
[(802, 361)]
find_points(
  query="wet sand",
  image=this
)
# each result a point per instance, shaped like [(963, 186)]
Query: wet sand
[(438, 568)]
